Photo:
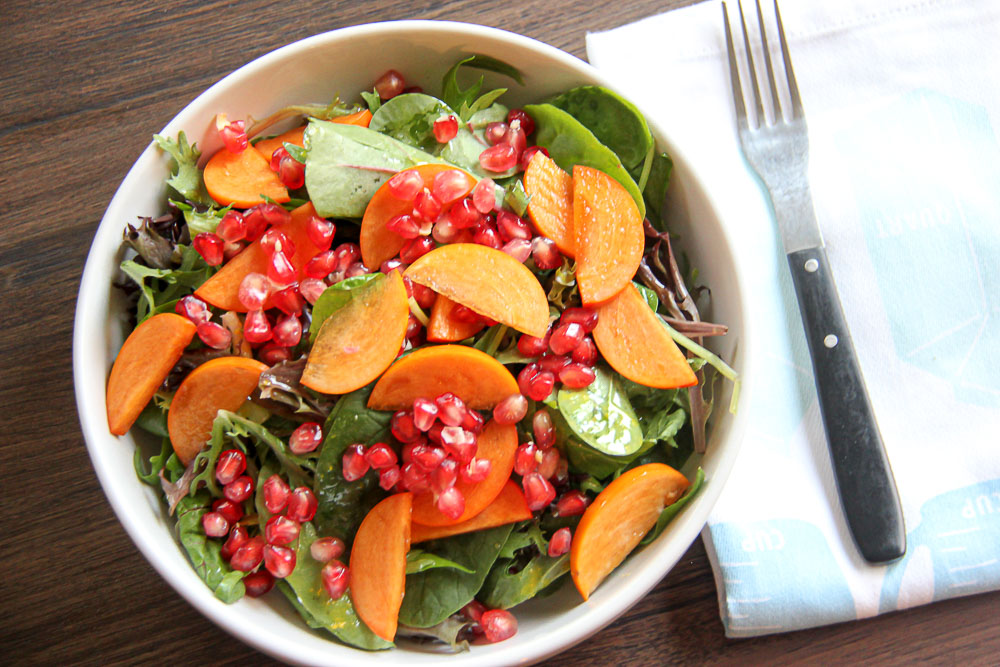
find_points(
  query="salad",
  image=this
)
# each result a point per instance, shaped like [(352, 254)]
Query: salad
[(416, 360)]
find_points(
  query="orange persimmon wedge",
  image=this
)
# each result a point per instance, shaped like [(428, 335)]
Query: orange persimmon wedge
[(222, 289), (609, 236), (474, 376), (378, 564), (496, 443), (223, 383), (444, 328), (488, 281), (358, 342), (142, 364), (241, 178), (618, 519), (550, 206), (508, 507), (378, 243), (633, 340), (268, 146)]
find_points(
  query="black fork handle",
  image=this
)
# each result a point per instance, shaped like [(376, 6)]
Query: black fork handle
[(864, 479)]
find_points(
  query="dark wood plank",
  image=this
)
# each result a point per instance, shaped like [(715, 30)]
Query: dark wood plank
[(83, 87)]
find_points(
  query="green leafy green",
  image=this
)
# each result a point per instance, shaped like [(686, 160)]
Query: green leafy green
[(516, 198), (185, 177), (511, 580), (664, 426), (601, 415), (153, 420), (156, 463), (672, 510), (446, 631), (410, 118), (205, 553), (418, 560), (159, 287), (615, 121), (337, 296), (467, 100), (655, 191), (200, 222), (372, 99), (649, 295)]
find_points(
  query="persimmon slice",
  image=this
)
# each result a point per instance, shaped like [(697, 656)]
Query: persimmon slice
[(550, 206), (445, 328), (268, 146), (241, 178), (144, 361), (618, 519), (378, 564), (633, 340), (498, 444), (508, 507), (609, 236), (358, 342), (475, 377), (223, 383), (488, 281)]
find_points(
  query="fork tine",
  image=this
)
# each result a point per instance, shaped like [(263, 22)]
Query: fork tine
[(775, 100), (734, 74), (761, 119), (793, 87)]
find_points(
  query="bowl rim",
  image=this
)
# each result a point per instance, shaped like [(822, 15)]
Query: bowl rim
[(94, 426)]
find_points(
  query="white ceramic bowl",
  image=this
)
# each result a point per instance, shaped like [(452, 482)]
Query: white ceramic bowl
[(314, 70)]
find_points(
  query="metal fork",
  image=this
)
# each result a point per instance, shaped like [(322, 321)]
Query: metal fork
[(779, 153)]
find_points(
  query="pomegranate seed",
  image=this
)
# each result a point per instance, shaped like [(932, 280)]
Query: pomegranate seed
[(258, 218), (434, 434), (237, 538), (511, 409), (586, 352), (288, 331), (276, 156), (289, 300), (239, 490), (214, 335), (459, 443), (465, 314), (380, 455), (423, 295), (230, 511), (414, 249), (321, 265), (426, 206), (305, 438), (560, 542), (248, 556), (346, 254), (524, 459), (444, 476), (256, 328), (253, 291), (498, 158), (425, 413), (527, 122), (519, 249), (498, 625), (356, 269), (445, 128), (272, 354), (476, 471), (537, 491), (452, 409), (473, 422), (577, 376), (194, 309), (335, 577), (572, 503), (585, 317), (210, 247), (405, 225), (324, 549), (414, 329), (463, 214), (390, 265), (276, 493), (451, 503), (511, 226), (291, 173), (553, 363), (403, 427), (311, 289), (428, 457), (536, 383), (233, 135), (566, 337), (545, 253), (274, 240), (389, 477), (214, 524), (548, 462), (543, 429), (406, 184), (302, 504), (230, 465), (445, 231), (474, 610), (281, 530), (231, 250), (531, 346), (415, 478), (484, 196), (274, 214), (320, 232), (258, 583), (232, 228), (485, 234), (516, 138), (279, 561), (562, 472), (354, 464), (280, 269), (388, 86), (529, 153), (495, 132)]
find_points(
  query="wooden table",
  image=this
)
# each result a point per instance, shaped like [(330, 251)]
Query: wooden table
[(84, 85)]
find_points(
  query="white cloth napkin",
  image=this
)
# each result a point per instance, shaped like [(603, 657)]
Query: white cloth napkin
[(902, 99)]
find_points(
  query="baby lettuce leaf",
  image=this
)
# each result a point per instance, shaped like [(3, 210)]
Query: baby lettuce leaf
[(655, 191), (304, 588), (434, 595), (466, 100), (418, 560), (336, 297), (343, 504), (160, 287), (185, 176), (410, 118), (570, 143), (156, 463), (447, 631), (205, 553), (601, 416), (614, 121), (672, 510), (506, 586)]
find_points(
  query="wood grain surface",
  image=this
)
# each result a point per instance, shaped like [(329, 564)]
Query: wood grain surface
[(84, 84)]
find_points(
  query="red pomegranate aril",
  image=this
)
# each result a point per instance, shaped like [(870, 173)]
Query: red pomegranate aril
[(425, 413), (553, 363), (258, 583), (194, 309), (445, 128), (335, 577), (484, 196), (291, 173), (485, 234), (527, 122), (524, 459), (560, 542), (572, 503), (405, 185), (577, 376), (426, 206), (239, 490), (390, 265), (253, 291), (434, 434), (538, 386), (465, 314), (305, 438), (256, 220), (450, 185), (562, 472), (288, 331), (566, 337), (516, 138), (210, 247), (273, 354), (230, 465), (389, 477), (278, 560), (274, 214), (498, 625), (414, 249), (302, 504), (511, 409), (388, 86), (355, 466), (404, 428), (281, 530), (280, 269), (380, 455), (276, 493), (586, 352), (232, 227), (451, 503), (451, 409), (543, 428), (476, 471), (474, 610), (495, 132), (214, 335), (345, 255), (548, 462), (230, 250), (511, 226), (249, 555), (237, 538), (275, 240), (545, 253), (320, 232), (415, 478), (463, 214), (311, 288), (404, 225), (214, 524), (444, 231), (289, 300), (276, 156), (356, 269), (325, 549), (321, 265), (256, 328), (473, 422), (423, 295), (531, 346), (499, 158), (230, 511), (444, 476), (585, 317), (428, 457), (234, 135), (459, 443), (529, 153), (526, 375), (537, 491), (519, 249)]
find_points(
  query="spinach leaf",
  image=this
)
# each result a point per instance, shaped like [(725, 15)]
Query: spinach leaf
[(505, 588), (434, 595), (655, 191), (185, 176), (649, 295), (464, 149), (304, 588), (614, 121), (410, 118), (664, 425), (446, 631), (418, 560), (343, 504), (457, 98), (601, 416), (336, 297), (570, 143), (153, 420), (205, 553), (670, 511)]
